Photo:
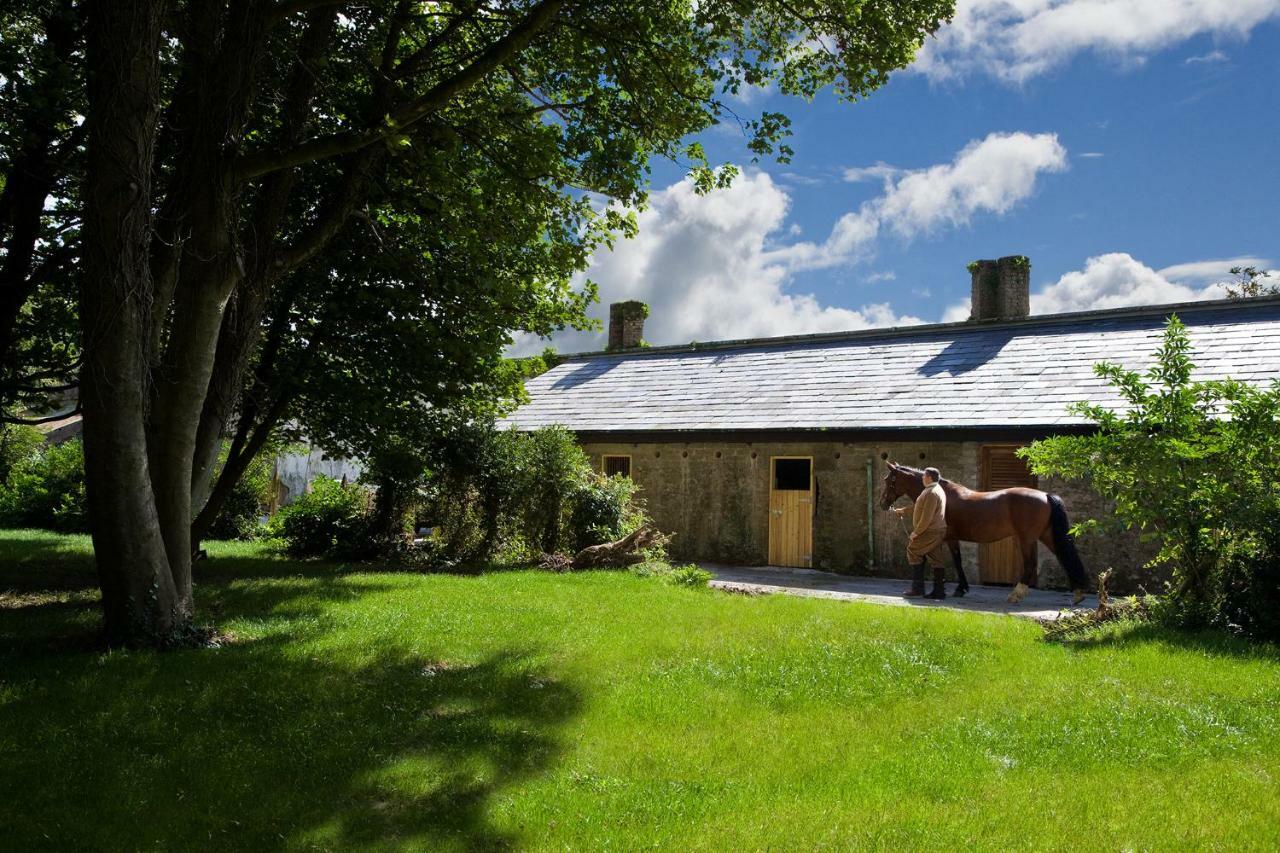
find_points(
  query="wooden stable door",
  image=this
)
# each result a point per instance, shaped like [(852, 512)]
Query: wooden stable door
[(1001, 562), (791, 511)]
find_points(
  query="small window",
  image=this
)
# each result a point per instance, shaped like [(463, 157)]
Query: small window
[(616, 466), (791, 475)]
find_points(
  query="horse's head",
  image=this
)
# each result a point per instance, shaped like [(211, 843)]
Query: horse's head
[(895, 484)]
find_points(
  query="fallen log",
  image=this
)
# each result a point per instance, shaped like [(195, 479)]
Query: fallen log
[(623, 552)]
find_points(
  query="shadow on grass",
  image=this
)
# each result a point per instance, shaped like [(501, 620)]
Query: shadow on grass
[(48, 623), (260, 746), (1131, 634)]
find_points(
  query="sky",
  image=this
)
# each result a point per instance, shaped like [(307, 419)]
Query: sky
[(1129, 148)]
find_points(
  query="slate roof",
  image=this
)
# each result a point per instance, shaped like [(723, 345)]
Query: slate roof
[(1012, 374)]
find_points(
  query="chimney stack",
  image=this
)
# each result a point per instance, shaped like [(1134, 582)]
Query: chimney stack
[(1001, 289), (626, 324)]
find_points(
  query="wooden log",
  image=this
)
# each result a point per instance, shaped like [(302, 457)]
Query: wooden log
[(623, 552)]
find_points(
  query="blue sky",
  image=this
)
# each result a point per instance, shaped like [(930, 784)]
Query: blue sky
[(1131, 148)]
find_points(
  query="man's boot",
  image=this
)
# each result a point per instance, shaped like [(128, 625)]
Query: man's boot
[(916, 590), (939, 590)]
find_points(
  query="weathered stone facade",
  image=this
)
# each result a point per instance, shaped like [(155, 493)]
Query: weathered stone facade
[(1001, 290), (626, 324), (714, 496)]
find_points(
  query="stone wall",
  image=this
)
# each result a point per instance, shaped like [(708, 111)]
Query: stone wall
[(1001, 289), (626, 324), (714, 496)]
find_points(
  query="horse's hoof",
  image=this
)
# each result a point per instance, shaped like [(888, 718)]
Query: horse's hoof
[(1019, 593), (1078, 596), (960, 591)]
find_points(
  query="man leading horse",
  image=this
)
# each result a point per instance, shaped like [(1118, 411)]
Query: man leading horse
[(926, 542), (1032, 516)]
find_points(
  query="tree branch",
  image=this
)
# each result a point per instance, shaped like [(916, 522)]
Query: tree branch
[(538, 19), (47, 419)]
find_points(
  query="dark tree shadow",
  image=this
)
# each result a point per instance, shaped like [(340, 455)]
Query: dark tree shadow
[(290, 739), (1205, 642), (585, 372), (967, 352), (260, 747)]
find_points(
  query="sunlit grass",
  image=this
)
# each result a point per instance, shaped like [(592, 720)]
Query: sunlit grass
[(392, 710)]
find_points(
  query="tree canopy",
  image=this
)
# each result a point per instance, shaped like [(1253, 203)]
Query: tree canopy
[(348, 207)]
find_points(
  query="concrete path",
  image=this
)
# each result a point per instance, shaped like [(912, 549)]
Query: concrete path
[(1042, 605)]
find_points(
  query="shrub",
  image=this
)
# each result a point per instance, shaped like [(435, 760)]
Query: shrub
[(1193, 465), (328, 521), (18, 442), (515, 497), (243, 507), (398, 471), (686, 575), (554, 470), (690, 575), (604, 509), (45, 489)]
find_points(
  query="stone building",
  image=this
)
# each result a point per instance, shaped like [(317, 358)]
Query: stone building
[(771, 451)]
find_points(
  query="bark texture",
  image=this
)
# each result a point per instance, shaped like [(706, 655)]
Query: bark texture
[(139, 597)]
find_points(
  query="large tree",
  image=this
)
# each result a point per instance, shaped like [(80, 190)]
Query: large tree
[(41, 142), (230, 142)]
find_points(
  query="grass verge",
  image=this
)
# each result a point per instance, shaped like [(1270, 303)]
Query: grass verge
[(391, 710)]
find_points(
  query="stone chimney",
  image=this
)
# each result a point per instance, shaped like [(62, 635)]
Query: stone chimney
[(626, 324), (1001, 289)]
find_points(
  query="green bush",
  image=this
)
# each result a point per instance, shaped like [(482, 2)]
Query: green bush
[(1193, 465), (45, 488), (555, 469), (686, 575), (328, 521), (243, 507), (690, 575), (18, 442), (495, 494), (604, 509)]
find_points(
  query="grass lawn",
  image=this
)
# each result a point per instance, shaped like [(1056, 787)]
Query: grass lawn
[(384, 710)]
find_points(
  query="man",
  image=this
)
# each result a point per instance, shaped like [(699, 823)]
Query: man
[(928, 535)]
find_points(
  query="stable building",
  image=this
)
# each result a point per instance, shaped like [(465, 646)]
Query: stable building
[(771, 451)]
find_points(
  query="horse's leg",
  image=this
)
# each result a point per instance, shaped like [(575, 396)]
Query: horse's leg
[(1028, 571), (962, 582)]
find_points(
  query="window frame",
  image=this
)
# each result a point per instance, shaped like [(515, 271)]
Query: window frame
[(604, 464)]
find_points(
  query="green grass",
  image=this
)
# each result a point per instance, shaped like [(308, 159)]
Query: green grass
[(387, 711)]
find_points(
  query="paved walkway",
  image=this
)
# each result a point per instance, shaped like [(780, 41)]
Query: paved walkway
[(1042, 605)]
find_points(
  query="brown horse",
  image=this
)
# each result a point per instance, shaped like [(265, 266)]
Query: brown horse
[(1029, 514)]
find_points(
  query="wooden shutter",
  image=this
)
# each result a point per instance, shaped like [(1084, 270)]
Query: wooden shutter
[(1001, 468)]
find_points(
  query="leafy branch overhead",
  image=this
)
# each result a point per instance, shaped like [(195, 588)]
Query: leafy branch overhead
[(276, 206)]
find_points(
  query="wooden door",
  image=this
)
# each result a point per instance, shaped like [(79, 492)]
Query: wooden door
[(791, 511), (1001, 468)]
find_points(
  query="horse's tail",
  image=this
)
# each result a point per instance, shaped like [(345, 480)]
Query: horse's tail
[(1064, 544)]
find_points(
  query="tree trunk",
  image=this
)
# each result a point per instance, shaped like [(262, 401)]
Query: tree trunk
[(244, 448), (31, 174), (390, 504), (140, 601)]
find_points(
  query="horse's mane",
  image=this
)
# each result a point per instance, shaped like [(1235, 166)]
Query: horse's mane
[(919, 473)]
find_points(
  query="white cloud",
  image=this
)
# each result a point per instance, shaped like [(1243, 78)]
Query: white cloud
[(721, 265), (990, 175), (958, 312), (1016, 40), (1091, 155), (1116, 280), (1210, 272), (1209, 58), (704, 266), (881, 171)]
